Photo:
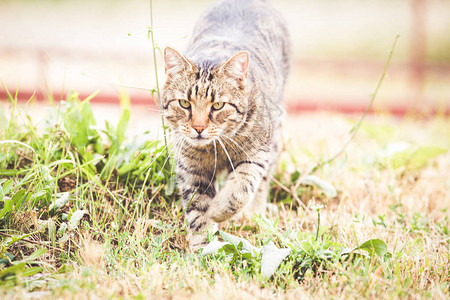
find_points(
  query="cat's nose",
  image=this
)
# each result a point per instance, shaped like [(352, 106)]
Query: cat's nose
[(199, 129)]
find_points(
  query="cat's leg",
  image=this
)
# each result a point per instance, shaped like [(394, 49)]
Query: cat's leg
[(259, 204), (198, 203), (240, 189), (198, 188)]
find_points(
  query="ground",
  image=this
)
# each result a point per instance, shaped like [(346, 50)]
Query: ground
[(88, 204), (118, 232)]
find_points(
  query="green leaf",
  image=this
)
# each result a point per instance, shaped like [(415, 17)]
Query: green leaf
[(18, 143), (52, 231), (392, 148), (373, 246), (109, 167), (170, 186), (62, 229), (15, 238), (91, 96), (61, 200), (230, 249), (6, 187), (272, 258), (247, 247), (122, 125), (41, 195), (19, 199), (36, 254), (380, 132), (213, 247), (75, 219), (6, 208), (7, 258), (415, 158), (65, 268), (32, 271), (10, 273), (79, 122), (8, 172), (327, 187)]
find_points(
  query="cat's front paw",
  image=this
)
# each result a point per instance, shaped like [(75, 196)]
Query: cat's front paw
[(196, 241), (198, 221)]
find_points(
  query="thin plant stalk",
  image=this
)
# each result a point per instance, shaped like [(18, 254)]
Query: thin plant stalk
[(357, 126), (318, 224), (151, 37)]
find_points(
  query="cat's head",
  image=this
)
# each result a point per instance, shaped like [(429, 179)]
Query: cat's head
[(204, 102)]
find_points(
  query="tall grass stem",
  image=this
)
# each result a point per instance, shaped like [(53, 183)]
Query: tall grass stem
[(151, 31), (357, 126)]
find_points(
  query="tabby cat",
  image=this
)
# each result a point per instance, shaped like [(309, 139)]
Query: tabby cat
[(223, 100)]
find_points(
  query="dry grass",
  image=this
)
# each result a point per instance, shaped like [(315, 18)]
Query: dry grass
[(411, 203)]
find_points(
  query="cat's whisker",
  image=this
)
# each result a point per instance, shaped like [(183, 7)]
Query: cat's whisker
[(142, 151), (237, 152), (164, 136), (152, 109), (248, 156), (171, 132), (159, 154), (181, 147), (234, 149), (171, 127), (215, 165), (229, 158), (178, 141), (170, 154)]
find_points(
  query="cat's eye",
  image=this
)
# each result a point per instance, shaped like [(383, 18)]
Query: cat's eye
[(185, 104), (218, 105)]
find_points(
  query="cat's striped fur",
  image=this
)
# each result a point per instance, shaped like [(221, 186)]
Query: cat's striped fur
[(223, 101)]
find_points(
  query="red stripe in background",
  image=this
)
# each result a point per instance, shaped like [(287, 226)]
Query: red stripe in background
[(293, 106)]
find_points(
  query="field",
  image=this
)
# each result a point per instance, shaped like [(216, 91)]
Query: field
[(89, 206), (90, 210)]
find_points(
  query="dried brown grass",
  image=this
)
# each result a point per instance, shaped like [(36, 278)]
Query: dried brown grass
[(421, 266)]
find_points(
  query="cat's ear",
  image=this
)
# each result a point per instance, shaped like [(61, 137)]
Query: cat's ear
[(175, 62), (237, 66)]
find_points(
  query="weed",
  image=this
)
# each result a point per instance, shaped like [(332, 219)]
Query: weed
[(84, 210), (81, 209)]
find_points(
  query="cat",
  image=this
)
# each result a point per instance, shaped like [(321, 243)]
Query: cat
[(223, 102)]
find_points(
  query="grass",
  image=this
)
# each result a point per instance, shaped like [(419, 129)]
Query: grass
[(87, 210)]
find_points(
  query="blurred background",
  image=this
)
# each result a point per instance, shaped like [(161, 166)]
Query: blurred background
[(49, 47)]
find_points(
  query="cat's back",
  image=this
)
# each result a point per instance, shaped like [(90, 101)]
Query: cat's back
[(234, 25)]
